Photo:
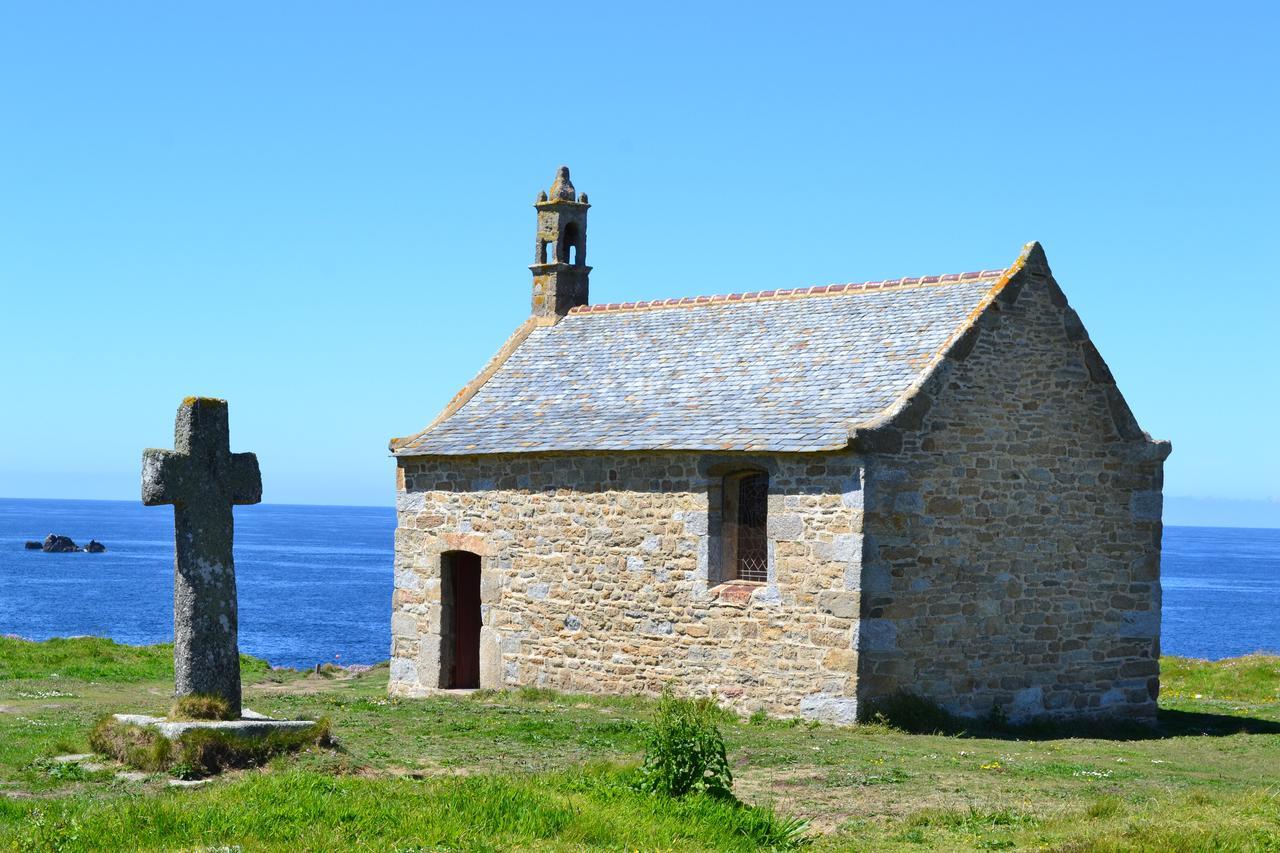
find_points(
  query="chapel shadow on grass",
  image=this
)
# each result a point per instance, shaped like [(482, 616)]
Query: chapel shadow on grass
[(914, 714)]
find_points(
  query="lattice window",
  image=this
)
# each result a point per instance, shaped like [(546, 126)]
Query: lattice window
[(752, 521)]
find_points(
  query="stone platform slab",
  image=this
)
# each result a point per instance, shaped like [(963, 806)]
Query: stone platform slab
[(250, 725)]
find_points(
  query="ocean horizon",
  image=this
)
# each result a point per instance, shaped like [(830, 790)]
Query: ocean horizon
[(315, 581)]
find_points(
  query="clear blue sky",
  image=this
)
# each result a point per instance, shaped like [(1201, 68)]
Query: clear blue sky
[(322, 211)]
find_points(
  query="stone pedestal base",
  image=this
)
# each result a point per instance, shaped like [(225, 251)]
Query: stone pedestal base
[(250, 725)]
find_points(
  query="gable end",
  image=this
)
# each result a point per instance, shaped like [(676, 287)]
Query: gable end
[(884, 435)]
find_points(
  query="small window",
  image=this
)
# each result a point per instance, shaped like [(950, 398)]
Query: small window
[(744, 527)]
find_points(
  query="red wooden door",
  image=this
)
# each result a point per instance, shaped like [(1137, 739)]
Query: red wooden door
[(466, 621)]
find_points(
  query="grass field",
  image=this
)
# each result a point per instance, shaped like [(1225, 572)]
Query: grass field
[(538, 770)]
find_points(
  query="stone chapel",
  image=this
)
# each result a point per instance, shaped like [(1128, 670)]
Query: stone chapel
[(796, 500)]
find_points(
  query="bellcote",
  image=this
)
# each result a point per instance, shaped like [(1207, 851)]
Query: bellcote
[(560, 271)]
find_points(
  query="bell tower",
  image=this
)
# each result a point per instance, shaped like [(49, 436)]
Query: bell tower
[(560, 268)]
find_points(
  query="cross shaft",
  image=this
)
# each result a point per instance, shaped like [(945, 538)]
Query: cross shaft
[(203, 479)]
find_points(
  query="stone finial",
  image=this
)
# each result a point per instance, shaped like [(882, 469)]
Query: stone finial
[(582, 198), (542, 195), (562, 188)]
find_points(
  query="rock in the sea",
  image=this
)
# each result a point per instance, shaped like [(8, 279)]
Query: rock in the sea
[(55, 544), (95, 547), (34, 546)]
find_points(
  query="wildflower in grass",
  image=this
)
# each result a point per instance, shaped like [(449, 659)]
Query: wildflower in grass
[(42, 694), (1093, 774)]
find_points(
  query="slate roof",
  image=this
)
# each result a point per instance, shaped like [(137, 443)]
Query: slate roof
[(779, 371)]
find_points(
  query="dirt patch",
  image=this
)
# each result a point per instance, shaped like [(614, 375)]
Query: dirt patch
[(427, 771), (308, 686)]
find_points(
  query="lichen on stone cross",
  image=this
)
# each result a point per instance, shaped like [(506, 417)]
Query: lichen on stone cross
[(202, 479)]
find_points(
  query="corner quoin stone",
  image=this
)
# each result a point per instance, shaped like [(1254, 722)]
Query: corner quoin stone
[(203, 479)]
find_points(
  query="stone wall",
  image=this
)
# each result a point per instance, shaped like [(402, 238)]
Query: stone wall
[(1012, 530), (599, 574)]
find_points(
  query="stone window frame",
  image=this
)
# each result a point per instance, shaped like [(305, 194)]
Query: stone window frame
[(710, 582), (732, 564)]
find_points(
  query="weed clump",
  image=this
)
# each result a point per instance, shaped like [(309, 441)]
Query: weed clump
[(199, 752), (205, 752), (140, 748), (685, 752), (68, 771), (199, 706), (1104, 807), (537, 694)]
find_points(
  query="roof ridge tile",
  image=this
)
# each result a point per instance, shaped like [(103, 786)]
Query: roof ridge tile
[(794, 293)]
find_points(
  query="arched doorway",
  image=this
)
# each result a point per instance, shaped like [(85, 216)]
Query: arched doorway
[(460, 619)]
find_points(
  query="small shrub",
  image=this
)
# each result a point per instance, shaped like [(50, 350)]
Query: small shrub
[(199, 706), (685, 752), (758, 717), (183, 770)]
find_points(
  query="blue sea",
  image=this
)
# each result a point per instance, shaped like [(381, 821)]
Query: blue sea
[(315, 581)]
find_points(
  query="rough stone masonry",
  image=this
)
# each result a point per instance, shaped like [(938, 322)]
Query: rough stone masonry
[(202, 479), (959, 502)]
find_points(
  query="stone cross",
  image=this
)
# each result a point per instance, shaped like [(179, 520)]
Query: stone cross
[(202, 478)]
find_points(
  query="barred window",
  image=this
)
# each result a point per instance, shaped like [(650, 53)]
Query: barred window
[(744, 536)]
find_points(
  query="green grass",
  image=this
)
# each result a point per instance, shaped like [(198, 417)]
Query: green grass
[(297, 810), (1250, 681), (84, 658), (94, 658), (535, 769)]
